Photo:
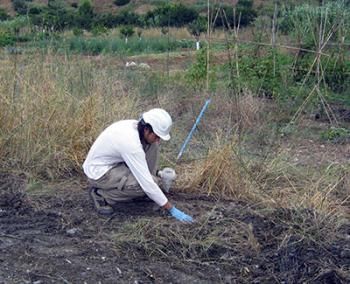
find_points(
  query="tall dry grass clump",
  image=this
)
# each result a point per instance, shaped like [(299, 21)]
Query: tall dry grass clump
[(221, 174), (224, 171), (51, 110), (250, 108)]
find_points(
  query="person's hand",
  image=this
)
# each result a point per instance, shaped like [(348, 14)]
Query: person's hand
[(179, 215)]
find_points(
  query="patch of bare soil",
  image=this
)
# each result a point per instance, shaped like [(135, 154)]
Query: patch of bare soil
[(307, 148), (58, 238)]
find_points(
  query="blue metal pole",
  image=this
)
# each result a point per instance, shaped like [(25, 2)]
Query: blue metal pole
[(193, 128)]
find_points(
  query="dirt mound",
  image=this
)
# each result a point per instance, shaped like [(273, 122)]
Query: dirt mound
[(58, 238)]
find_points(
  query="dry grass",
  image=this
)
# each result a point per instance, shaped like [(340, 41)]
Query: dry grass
[(51, 112), (219, 174), (250, 109), (211, 238)]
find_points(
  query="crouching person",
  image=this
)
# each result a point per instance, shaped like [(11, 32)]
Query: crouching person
[(122, 163)]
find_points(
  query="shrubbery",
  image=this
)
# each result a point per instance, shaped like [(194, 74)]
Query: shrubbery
[(126, 32), (336, 135), (95, 46), (244, 14), (263, 76), (20, 6), (198, 26), (6, 38), (85, 15), (3, 15), (55, 17), (292, 20), (175, 15), (58, 15), (121, 2)]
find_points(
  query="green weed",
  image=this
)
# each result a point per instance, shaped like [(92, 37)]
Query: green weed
[(336, 135)]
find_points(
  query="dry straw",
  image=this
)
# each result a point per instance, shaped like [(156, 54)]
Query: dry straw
[(51, 113), (221, 174)]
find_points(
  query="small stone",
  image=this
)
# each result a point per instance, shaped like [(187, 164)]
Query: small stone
[(345, 253), (72, 231)]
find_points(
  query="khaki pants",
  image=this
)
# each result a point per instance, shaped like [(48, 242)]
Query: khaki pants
[(119, 184)]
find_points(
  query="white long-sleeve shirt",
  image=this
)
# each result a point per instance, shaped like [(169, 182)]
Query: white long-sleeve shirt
[(120, 142)]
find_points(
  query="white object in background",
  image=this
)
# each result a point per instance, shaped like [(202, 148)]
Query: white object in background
[(130, 64), (167, 175), (144, 66)]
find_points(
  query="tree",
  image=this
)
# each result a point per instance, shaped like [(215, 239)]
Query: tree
[(127, 18), (20, 6), (85, 14), (244, 13), (196, 28), (121, 2), (3, 15), (126, 32), (176, 15), (56, 16)]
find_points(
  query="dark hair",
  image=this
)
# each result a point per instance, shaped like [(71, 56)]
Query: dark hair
[(141, 126)]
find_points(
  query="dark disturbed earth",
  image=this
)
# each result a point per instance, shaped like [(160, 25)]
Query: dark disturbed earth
[(56, 237)]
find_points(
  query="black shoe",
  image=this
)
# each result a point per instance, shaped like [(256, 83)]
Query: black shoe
[(100, 204)]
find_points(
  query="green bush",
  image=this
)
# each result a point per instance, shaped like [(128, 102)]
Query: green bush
[(196, 75), (198, 26), (56, 16), (337, 75), (303, 21), (35, 10), (122, 18), (126, 31), (86, 15), (268, 75), (20, 6), (127, 18), (336, 135), (99, 30), (3, 15), (105, 20), (6, 38), (198, 71), (121, 2), (335, 71), (244, 8), (176, 15), (77, 31)]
